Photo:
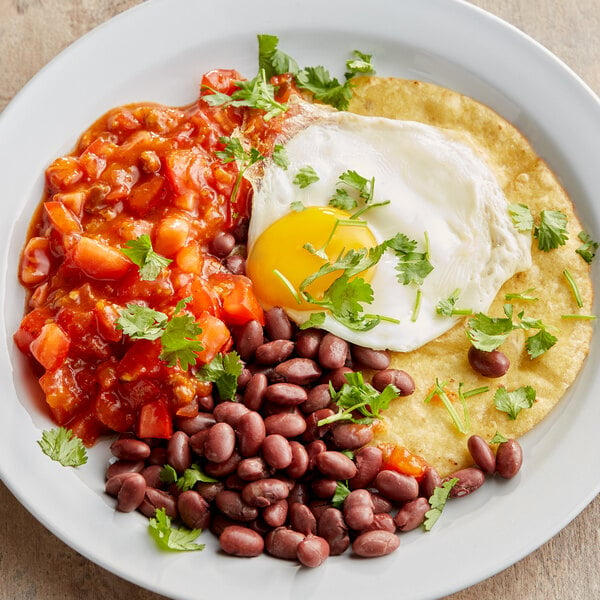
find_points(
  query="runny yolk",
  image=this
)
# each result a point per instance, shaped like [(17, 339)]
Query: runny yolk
[(280, 249)]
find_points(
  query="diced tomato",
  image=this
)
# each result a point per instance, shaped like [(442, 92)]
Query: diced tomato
[(140, 360), (398, 458), (35, 262), (30, 327), (171, 235), (62, 218), (154, 420), (111, 410), (63, 172), (214, 337), (204, 297), (220, 80), (139, 392), (146, 195), (188, 170), (51, 346), (190, 259), (88, 428), (63, 395), (239, 302), (99, 260), (107, 314), (188, 410)]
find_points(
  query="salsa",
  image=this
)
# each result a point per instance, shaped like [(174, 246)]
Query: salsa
[(140, 170)]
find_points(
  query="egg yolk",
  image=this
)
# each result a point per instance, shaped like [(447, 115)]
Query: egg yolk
[(279, 251)]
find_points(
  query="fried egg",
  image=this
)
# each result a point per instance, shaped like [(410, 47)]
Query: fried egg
[(442, 195)]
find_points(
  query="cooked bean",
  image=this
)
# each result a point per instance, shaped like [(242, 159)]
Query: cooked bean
[(155, 499), (368, 463), (232, 505), (192, 425), (318, 397), (312, 449), (278, 325), (235, 482), (430, 480), (411, 514), (375, 543), (131, 493), (274, 352), (469, 480), (308, 342), (248, 338), (227, 467), (151, 474), (299, 465), (331, 527), (219, 522), (255, 391), (382, 521), (283, 543), (370, 359), (349, 436), (509, 458), (254, 468), (358, 510), (206, 403), (229, 412), (314, 431), (251, 433), (337, 377), (244, 378), (236, 264), (241, 541), (299, 493), (209, 489), (323, 488), (263, 492), (193, 509), (488, 364), (302, 519), (114, 483), (158, 456), (285, 394), (335, 465), (276, 451), (300, 371), (219, 443), (401, 379), (318, 507), (222, 244), (397, 487), (197, 442), (333, 351), (179, 453), (289, 425), (312, 551), (481, 453), (125, 466), (276, 514), (130, 449)]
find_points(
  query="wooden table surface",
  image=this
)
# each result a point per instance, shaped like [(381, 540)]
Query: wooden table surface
[(35, 565)]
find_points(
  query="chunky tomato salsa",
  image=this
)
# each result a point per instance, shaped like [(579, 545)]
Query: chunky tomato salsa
[(142, 172)]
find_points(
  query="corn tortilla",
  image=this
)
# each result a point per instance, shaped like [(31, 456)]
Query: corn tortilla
[(426, 428)]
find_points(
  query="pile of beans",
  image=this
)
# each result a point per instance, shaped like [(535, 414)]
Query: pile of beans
[(277, 469)]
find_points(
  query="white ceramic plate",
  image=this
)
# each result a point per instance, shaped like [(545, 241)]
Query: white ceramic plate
[(158, 51)]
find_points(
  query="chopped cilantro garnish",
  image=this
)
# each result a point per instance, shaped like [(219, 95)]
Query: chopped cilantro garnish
[(439, 391), (521, 217), (63, 446), (172, 538), (447, 307), (223, 370), (341, 491), (526, 296), (412, 266), (141, 323), (513, 402), (588, 248), (574, 288), (305, 177), (280, 157), (498, 438), (359, 65), (141, 253), (552, 230), (272, 60), (437, 501)]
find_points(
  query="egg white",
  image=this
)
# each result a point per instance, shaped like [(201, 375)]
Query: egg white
[(437, 186)]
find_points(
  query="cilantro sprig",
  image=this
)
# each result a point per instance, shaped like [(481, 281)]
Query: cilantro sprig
[(588, 247), (187, 480), (357, 395), (142, 254), (412, 266), (437, 501), (168, 537), (550, 231), (223, 370), (305, 176), (63, 446), (512, 403), (447, 306)]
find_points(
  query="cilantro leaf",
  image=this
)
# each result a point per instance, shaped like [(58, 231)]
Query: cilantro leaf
[(223, 370), (305, 177), (171, 538), (521, 216), (526, 296), (316, 319), (280, 157), (588, 248), (438, 391), (412, 266), (401, 244), (437, 501), (447, 307), (63, 446), (141, 253), (191, 477), (168, 474), (180, 341), (272, 60), (552, 230), (488, 333), (359, 65), (343, 200), (140, 322), (341, 492), (539, 343), (498, 438), (297, 206), (513, 402), (324, 88)]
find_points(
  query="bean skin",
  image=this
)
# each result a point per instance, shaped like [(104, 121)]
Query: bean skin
[(302, 519), (411, 514), (332, 351), (312, 551), (370, 359), (124, 466), (430, 480), (300, 371), (219, 443), (283, 543), (130, 449), (368, 463), (318, 397), (350, 436), (229, 412), (248, 338), (253, 469), (285, 394), (131, 493), (401, 379), (276, 451), (481, 453), (155, 499), (375, 543), (255, 391), (383, 522), (179, 453), (299, 464), (332, 528), (276, 514), (358, 510), (488, 364), (323, 488), (222, 244), (308, 342), (263, 492), (241, 541), (192, 425), (193, 509), (151, 474), (335, 465), (251, 433), (289, 425), (469, 480), (396, 486), (232, 505), (218, 470), (271, 353), (278, 325), (509, 458)]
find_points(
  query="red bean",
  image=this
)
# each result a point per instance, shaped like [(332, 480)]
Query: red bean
[(278, 325), (263, 492), (155, 499), (335, 465), (300, 371), (302, 519), (383, 522), (255, 391), (152, 476), (179, 452), (276, 514), (318, 397), (337, 377), (251, 433), (289, 425), (274, 352), (222, 244), (375, 543), (285, 394), (219, 443), (401, 379), (469, 480), (248, 338), (193, 509), (192, 425), (276, 451), (489, 364), (358, 510), (323, 488), (244, 378), (209, 490), (370, 359), (241, 541), (312, 551), (430, 480), (509, 458), (481, 453), (332, 528), (299, 464), (283, 543), (130, 449), (197, 442), (312, 449), (308, 342), (350, 436), (396, 486), (229, 412), (333, 351), (125, 466), (368, 463), (131, 493), (254, 468), (114, 483), (233, 506), (218, 470), (380, 504), (236, 264), (412, 514)]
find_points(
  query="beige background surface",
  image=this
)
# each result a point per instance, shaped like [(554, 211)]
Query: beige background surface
[(35, 565)]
